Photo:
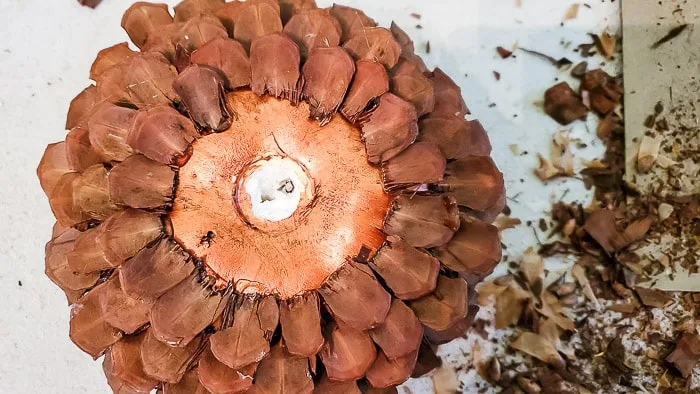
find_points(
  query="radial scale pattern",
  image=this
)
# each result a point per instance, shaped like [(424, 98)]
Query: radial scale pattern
[(268, 197)]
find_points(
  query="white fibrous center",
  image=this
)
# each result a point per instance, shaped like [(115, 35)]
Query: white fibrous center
[(275, 188)]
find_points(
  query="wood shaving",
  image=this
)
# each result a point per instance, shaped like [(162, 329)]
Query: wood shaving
[(648, 153), (572, 12)]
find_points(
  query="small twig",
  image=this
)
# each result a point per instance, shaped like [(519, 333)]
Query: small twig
[(673, 33)]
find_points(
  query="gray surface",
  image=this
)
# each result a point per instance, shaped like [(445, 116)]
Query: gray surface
[(47, 49)]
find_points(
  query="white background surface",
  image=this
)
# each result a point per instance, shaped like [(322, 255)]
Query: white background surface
[(45, 55)]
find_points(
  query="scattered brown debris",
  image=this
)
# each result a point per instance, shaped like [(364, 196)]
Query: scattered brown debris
[(497, 75), (558, 63), (648, 153), (579, 70), (563, 104), (605, 43), (416, 15), (90, 3), (504, 53), (653, 298), (673, 33), (572, 12), (686, 354)]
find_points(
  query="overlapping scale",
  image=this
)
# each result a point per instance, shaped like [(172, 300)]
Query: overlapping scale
[(109, 127), (140, 182), (120, 310), (474, 181), (348, 353), (274, 62), (374, 43), (327, 386), (456, 138), (86, 256), (123, 368), (142, 19), (201, 89), (61, 200), (149, 80), (352, 20), (188, 9), (289, 8), (448, 96), (82, 106), (474, 250), (79, 151), (387, 373), (282, 372), (110, 57), (423, 221), (421, 163), (56, 263), (354, 282), (300, 318), (217, 378), (53, 165), (327, 75), (409, 83), (189, 384), (229, 57), (409, 272), (444, 307), (168, 363), (400, 334), (247, 340), (155, 270), (313, 28), (198, 31), (126, 232), (255, 19), (407, 47), (91, 194), (162, 134), (184, 311), (370, 82), (391, 128), (88, 328)]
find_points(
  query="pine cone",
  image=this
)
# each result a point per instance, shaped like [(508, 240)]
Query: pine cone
[(267, 203)]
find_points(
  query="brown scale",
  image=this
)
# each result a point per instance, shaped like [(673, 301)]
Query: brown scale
[(348, 353), (181, 248), (201, 89), (189, 9), (184, 311), (123, 368), (300, 318), (474, 250), (409, 83), (327, 75), (229, 57), (142, 19), (351, 20), (374, 43), (289, 8), (79, 151), (140, 182), (420, 164), (162, 134), (313, 28), (217, 378), (247, 340), (370, 82), (120, 310), (109, 127), (423, 221), (391, 128), (445, 306), (168, 363), (327, 386), (110, 57), (255, 19), (409, 272), (155, 270), (282, 372), (274, 61)]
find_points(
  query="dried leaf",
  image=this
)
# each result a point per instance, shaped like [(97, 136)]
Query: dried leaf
[(579, 273), (654, 298), (686, 354), (532, 267), (539, 347)]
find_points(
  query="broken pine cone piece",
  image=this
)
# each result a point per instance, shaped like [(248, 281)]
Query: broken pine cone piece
[(263, 130), (563, 105)]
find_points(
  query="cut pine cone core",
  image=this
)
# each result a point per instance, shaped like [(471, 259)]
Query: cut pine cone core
[(241, 207)]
